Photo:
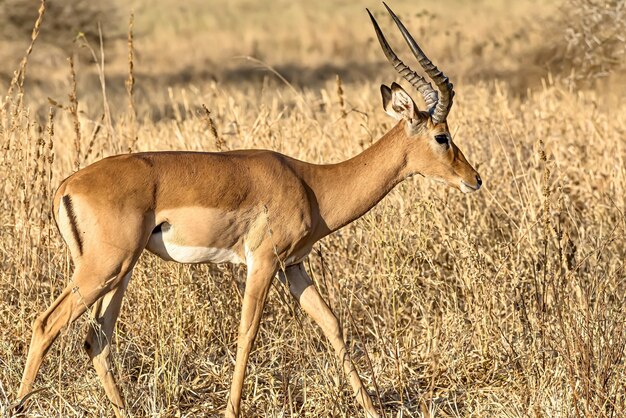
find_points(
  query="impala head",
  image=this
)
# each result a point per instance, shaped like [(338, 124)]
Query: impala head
[(432, 152)]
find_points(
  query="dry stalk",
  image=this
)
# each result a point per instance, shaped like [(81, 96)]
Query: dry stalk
[(130, 81), (101, 76), (73, 107), (130, 87), (219, 141), (20, 74), (340, 96)]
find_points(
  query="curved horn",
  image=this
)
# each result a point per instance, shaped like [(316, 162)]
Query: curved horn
[(417, 81), (442, 82)]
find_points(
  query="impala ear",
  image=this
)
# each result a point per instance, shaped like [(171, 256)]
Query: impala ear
[(397, 103)]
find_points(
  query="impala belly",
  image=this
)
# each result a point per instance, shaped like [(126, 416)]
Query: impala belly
[(205, 237), (170, 251)]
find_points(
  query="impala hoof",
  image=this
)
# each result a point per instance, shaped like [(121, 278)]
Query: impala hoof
[(17, 408)]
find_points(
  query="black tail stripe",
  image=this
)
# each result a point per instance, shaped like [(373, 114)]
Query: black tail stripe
[(67, 201)]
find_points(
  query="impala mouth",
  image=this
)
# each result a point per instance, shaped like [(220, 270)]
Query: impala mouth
[(469, 188)]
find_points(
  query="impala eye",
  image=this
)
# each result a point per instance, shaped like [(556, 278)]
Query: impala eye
[(442, 138)]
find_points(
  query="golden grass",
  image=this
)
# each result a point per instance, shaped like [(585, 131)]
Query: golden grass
[(508, 302)]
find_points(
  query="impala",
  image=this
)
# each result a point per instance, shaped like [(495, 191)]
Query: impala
[(197, 207)]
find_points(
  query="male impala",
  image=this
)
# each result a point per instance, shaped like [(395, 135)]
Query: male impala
[(216, 207)]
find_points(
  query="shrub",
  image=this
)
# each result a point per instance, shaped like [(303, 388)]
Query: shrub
[(595, 38)]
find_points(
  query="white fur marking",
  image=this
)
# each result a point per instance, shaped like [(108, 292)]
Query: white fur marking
[(183, 254), (466, 188), (249, 258)]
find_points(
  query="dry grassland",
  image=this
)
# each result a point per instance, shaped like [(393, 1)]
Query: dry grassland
[(507, 303)]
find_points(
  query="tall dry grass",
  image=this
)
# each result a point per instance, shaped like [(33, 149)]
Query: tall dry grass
[(509, 302)]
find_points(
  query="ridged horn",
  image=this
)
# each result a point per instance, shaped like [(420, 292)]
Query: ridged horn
[(441, 81), (416, 80)]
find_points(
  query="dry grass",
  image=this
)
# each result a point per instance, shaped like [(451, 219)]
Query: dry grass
[(509, 302)]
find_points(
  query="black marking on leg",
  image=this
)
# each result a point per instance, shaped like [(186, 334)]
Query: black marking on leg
[(67, 201), (87, 346), (18, 407)]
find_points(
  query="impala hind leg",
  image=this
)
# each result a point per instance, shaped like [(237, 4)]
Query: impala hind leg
[(257, 286), (98, 341), (302, 288), (76, 298)]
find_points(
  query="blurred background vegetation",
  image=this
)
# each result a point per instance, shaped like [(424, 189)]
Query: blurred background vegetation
[(579, 41)]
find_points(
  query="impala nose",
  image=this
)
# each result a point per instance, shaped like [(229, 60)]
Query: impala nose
[(479, 182)]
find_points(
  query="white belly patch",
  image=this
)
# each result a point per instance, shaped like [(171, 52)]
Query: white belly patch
[(167, 250)]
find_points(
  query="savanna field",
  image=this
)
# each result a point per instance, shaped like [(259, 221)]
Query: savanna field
[(508, 302)]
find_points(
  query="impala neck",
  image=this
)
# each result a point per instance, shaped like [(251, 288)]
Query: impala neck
[(347, 190)]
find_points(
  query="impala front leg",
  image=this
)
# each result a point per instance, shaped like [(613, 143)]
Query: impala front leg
[(302, 288), (260, 275)]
